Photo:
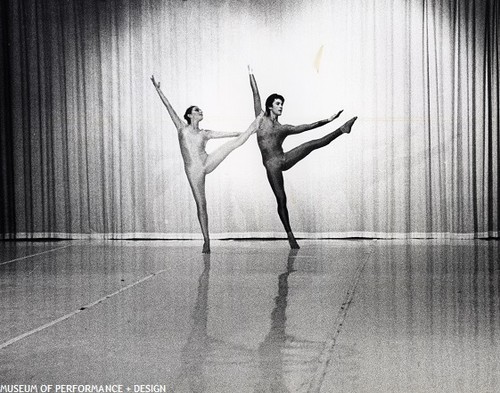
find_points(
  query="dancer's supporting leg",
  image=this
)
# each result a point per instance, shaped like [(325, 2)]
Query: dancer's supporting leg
[(298, 153), (275, 177), (197, 183)]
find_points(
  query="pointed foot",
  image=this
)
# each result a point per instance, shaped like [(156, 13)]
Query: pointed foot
[(346, 128), (293, 244)]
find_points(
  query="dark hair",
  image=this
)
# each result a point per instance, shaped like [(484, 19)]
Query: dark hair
[(188, 112), (270, 100)]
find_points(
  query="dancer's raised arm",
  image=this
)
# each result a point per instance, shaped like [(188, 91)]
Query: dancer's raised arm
[(257, 106), (289, 129), (179, 124)]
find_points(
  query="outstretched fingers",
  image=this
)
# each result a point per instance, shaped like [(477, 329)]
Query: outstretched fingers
[(156, 84), (331, 118)]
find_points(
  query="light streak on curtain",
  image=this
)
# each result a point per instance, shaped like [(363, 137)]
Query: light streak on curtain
[(87, 149)]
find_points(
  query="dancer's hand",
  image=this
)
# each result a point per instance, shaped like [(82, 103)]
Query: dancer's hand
[(332, 118), (250, 70), (156, 84)]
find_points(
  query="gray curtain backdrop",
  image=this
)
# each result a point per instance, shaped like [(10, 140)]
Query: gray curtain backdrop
[(88, 150)]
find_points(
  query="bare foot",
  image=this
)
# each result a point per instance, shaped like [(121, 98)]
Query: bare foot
[(346, 128), (206, 247), (293, 243)]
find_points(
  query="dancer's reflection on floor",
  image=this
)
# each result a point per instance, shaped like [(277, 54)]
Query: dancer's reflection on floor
[(271, 356), (276, 355), (195, 352)]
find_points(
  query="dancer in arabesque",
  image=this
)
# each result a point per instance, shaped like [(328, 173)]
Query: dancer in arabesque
[(270, 137), (197, 162)]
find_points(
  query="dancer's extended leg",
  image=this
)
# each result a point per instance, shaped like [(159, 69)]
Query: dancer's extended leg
[(298, 153), (216, 157), (275, 177), (197, 183)]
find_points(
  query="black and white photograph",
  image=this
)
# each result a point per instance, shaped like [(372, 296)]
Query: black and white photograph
[(238, 196)]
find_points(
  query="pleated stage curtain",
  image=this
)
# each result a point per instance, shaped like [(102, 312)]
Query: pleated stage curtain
[(88, 150)]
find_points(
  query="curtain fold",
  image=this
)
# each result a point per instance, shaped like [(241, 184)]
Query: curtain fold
[(88, 150)]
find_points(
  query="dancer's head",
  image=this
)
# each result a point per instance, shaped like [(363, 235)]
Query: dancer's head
[(274, 103), (193, 112)]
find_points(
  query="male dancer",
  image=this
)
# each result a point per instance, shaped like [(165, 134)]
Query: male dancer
[(270, 137)]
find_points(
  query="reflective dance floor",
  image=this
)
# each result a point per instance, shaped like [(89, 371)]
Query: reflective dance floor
[(336, 316)]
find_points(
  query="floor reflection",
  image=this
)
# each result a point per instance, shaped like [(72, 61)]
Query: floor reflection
[(278, 357), (196, 350), (429, 316), (286, 362), (425, 317), (270, 351)]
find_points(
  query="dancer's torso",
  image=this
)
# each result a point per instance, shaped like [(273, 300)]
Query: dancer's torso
[(270, 139), (193, 143)]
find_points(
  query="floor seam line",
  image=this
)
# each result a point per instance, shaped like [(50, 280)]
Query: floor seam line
[(79, 310), (325, 356), (34, 255)]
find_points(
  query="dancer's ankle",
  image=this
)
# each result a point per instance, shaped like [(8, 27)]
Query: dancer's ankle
[(206, 247)]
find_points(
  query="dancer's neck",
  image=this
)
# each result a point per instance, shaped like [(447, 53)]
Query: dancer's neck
[(273, 117)]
